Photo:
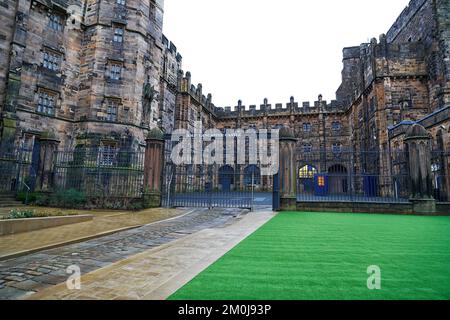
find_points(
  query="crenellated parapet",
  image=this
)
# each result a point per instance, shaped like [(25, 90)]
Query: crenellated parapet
[(196, 93), (280, 109)]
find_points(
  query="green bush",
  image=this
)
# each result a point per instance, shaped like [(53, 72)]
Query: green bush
[(68, 199), (22, 196), (20, 214), (42, 200), (26, 214)]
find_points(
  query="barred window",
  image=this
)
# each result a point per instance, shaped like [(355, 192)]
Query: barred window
[(52, 60), (336, 126), (56, 22), (108, 154), (307, 148), (118, 35), (336, 148), (46, 103), (111, 112), (121, 2), (115, 71), (307, 127)]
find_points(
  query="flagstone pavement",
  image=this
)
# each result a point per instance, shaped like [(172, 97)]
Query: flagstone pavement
[(103, 222), (22, 277), (157, 273)]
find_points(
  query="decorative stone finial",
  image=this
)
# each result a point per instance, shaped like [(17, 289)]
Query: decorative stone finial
[(416, 131), (155, 134)]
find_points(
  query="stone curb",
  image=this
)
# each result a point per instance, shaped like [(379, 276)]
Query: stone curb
[(82, 239)]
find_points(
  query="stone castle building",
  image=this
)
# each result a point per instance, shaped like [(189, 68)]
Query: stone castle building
[(101, 73)]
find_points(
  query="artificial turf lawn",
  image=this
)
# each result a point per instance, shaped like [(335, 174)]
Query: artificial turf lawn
[(298, 256)]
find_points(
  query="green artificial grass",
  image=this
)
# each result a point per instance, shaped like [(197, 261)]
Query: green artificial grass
[(297, 256)]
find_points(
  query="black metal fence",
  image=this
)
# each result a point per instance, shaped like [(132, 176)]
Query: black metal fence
[(349, 176), (213, 186), (16, 170), (100, 172)]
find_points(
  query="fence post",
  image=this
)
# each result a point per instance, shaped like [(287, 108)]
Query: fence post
[(153, 168), (417, 140), (48, 147), (287, 172)]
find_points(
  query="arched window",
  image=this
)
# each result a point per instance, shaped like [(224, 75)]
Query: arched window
[(307, 172)]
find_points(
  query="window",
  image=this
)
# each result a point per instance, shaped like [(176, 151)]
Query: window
[(52, 60), (336, 148), (121, 2), (46, 103), (307, 127), (108, 154), (115, 71), (336, 126), (111, 112), (118, 35), (56, 22), (307, 148), (321, 181), (307, 172)]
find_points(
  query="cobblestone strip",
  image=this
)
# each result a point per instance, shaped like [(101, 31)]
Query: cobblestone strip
[(29, 274)]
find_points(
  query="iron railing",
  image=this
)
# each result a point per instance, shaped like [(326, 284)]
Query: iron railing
[(100, 172)]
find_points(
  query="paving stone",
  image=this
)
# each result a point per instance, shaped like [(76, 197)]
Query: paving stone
[(15, 278), (10, 293), (28, 285), (48, 267), (50, 279)]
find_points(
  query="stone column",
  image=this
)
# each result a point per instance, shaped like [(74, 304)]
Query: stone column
[(49, 144), (8, 131), (418, 145), (287, 172), (153, 168)]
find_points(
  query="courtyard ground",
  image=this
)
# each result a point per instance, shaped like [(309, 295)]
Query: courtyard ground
[(326, 256), (104, 222), (26, 275)]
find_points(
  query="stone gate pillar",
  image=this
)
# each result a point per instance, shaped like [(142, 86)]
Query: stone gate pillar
[(44, 175), (418, 144), (287, 173), (153, 168)]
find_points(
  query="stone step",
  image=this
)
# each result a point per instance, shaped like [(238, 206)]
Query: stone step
[(10, 204), (7, 195)]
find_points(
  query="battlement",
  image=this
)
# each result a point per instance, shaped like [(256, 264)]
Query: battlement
[(291, 107), (196, 92), (413, 7), (171, 47)]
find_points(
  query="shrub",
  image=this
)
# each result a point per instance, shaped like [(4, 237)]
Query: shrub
[(22, 196), (42, 200), (26, 214), (20, 214), (68, 199)]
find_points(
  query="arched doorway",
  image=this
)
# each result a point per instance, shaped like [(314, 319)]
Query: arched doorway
[(252, 172), (226, 178), (306, 179), (337, 179)]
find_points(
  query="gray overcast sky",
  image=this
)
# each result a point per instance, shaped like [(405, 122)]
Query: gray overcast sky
[(252, 49)]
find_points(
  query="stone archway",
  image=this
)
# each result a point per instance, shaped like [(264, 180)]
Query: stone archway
[(226, 178)]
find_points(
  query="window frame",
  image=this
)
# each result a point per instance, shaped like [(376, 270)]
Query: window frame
[(52, 55), (119, 35), (51, 104), (112, 110), (56, 21)]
